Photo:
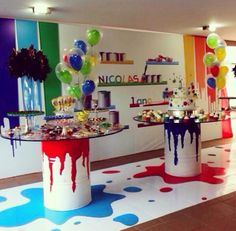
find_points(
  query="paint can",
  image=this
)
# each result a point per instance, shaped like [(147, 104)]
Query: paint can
[(66, 169), (114, 117), (104, 99), (182, 149)]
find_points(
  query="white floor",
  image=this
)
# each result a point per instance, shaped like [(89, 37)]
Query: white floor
[(136, 200)]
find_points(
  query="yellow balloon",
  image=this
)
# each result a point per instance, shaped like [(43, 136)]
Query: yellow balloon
[(220, 53), (220, 82), (223, 71)]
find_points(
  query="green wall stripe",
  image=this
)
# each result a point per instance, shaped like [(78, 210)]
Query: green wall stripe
[(49, 41)]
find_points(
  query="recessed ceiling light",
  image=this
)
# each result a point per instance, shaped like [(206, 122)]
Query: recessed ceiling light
[(41, 9)]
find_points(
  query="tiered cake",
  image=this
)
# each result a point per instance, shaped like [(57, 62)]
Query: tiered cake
[(183, 99)]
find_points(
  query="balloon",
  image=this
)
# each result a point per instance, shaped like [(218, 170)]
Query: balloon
[(65, 59), (63, 74), (211, 82), (215, 70), (74, 91), (93, 36), (212, 40), (88, 87), (81, 45), (223, 71), (220, 82), (209, 59), (94, 57), (75, 61), (86, 67), (220, 53)]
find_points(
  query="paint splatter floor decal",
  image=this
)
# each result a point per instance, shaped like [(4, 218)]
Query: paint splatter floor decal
[(123, 196)]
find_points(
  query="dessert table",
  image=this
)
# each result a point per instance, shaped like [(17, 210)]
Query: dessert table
[(65, 160)]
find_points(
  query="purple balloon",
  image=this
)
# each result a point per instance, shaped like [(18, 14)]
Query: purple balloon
[(88, 87)]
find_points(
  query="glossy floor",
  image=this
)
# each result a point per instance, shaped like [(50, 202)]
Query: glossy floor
[(121, 200)]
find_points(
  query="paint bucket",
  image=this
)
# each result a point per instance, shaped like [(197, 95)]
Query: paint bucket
[(66, 171), (104, 99), (114, 117), (182, 149)]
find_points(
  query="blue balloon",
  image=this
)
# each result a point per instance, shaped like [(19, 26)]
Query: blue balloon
[(88, 87), (211, 82), (75, 61), (81, 44)]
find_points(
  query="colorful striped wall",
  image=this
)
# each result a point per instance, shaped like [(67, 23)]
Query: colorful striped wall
[(195, 71), (21, 34)]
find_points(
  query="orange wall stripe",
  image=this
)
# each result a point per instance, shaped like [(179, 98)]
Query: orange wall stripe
[(200, 45), (189, 59)]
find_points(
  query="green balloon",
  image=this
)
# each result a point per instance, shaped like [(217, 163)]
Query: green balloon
[(93, 36), (74, 91), (212, 40), (86, 67), (208, 59), (65, 76)]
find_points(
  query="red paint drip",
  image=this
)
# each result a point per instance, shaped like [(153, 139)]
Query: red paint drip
[(204, 198), (208, 175), (75, 149), (210, 162), (111, 171), (227, 150), (162, 158), (166, 189)]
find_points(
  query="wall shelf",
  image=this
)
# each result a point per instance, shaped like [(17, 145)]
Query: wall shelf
[(161, 63), (129, 84), (118, 62), (159, 103)]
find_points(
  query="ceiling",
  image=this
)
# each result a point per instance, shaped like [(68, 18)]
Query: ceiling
[(173, 16)]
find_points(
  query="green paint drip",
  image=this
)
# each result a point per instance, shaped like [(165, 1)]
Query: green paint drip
[(49, 41)]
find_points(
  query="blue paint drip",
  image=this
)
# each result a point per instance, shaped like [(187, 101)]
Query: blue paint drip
[(77, 223), (180, 129), (132, 189), (2, 199), (34, 209), (109, 181), (127, 219), (151, 200)]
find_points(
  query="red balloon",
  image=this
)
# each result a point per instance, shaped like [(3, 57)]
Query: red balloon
[(65, 59), (215, 70)]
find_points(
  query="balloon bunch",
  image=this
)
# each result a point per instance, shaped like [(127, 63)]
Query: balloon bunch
[(213, 60), (79, 60)]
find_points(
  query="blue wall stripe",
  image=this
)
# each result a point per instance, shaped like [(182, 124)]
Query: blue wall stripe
[(27, 34), (8, 84)]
